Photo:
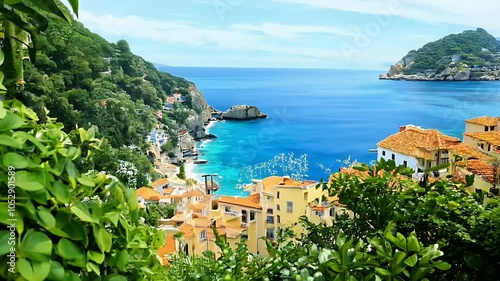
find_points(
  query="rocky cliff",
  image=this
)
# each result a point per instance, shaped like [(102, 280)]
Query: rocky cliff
[(243, 112), (200, 113), (470, 55)]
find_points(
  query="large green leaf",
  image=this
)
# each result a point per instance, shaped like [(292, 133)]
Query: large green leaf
[(4, 239), (9, 141), (10, 121), (81, 210), (74, 5), (17, 161), (61, 192), (28, 181), (35, 245), (33, 270), (103, 238), (47, 219), (50, 6), (56, 271), (69, 250)]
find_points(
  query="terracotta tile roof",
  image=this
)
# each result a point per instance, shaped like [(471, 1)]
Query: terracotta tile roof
[(418, 142), (180, 217), (149, 194), (197, 206), (168, 248), (480, 168), (160, 182), (202, 222), (168, 190), (233, 232), (252, 201), (271, 182), (193, 193), (187, 231), (467, 151), (484, 120), (492, 137)]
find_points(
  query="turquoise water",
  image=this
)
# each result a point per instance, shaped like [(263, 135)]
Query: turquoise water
[(329, 115)]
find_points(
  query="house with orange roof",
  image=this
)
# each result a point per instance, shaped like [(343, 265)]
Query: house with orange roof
[(274, 202), (488, 142), (417, 148), (482, 124)]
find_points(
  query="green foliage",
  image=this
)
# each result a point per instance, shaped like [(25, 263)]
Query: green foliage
[(441, 213), (154, 212), (182, 172), (68, 225), (468, 44), (168, 147), (384, 257)]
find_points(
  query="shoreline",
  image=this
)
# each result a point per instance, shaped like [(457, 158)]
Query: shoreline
[(189, 166)]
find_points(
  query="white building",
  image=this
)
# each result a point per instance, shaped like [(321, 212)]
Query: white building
[(417, 148)]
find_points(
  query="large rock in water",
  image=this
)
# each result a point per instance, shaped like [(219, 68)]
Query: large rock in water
[(243, 112)]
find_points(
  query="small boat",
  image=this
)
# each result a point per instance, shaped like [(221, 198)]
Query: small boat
[(373, 150), (200, 161)]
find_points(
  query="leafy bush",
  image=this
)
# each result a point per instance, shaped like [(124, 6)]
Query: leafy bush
[(68, 226)]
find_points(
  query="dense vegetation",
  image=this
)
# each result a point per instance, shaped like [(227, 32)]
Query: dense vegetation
[(383, 198), (69, 225), (468, 44), (85, 81)]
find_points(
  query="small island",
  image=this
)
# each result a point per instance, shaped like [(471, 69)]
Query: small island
[(243, 112), (473, 55)]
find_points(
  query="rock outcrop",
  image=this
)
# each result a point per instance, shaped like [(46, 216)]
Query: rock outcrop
[(243, 112)]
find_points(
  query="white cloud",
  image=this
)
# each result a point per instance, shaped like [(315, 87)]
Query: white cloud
[(480, 13), (291, 32), (236, 37)]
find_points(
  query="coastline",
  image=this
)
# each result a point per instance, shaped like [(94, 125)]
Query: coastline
[(189, 166)]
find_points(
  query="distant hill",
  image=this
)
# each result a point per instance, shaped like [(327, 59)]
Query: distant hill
[(454, 57)]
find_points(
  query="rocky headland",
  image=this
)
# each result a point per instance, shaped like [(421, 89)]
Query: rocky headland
[(243, 112), (468, 56)]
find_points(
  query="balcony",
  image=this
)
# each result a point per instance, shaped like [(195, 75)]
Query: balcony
[(232, 214)]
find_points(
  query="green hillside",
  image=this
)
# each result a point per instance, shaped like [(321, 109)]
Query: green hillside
[(84, 80), (471, 48)]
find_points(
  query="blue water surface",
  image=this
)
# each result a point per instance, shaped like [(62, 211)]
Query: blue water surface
[(329, 115)]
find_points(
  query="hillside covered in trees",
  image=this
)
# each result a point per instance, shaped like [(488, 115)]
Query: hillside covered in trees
[(85, 81), (470, 55)]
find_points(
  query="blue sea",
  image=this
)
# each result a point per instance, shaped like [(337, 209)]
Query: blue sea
[(330, 115)]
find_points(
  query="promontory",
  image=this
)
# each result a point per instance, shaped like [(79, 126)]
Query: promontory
[(471, 55)]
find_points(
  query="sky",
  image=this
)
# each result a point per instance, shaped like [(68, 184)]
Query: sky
[(339, 34)]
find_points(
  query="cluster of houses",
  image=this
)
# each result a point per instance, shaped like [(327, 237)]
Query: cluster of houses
[(478, 153), (279, 201)]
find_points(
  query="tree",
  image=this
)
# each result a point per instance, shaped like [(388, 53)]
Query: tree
[(182, 172)]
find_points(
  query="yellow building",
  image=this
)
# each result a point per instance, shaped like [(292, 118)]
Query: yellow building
[(274, 202), (482, 124)]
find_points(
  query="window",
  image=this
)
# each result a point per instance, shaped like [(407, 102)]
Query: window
[(227, 209), (270, 233), (405, 163), (393, 157), (486, 128), (277, 207), (268, 197), (383, 152), (278, 195), (270, 219), (318, 213), (244, 216), (270, 211), (332, 212), (278, 219), (492, 128), (203, 235), (252, 216), (481, 146), (289, 206)]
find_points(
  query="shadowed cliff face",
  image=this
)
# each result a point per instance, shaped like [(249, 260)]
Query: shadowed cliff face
[(200, 114)]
